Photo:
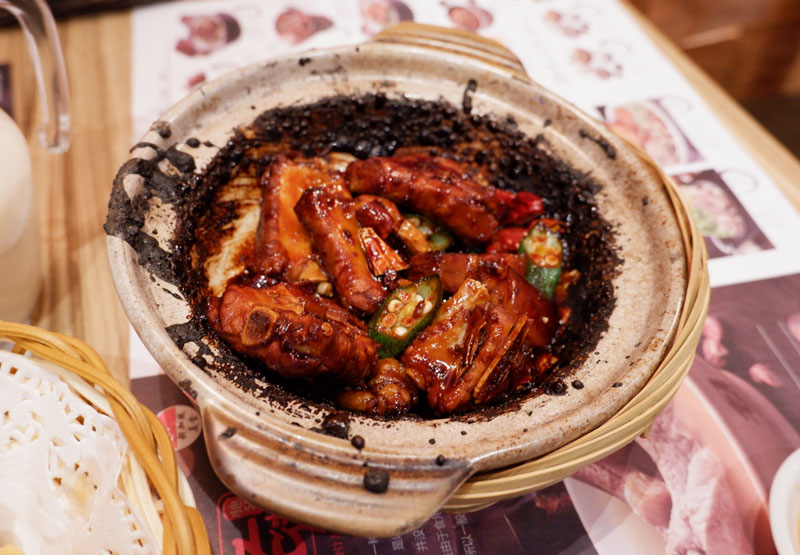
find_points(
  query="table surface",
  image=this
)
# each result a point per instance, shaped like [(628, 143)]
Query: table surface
[(78, 295)]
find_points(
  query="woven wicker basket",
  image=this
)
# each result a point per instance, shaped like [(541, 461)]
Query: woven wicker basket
[(636, 417), (155, 486)]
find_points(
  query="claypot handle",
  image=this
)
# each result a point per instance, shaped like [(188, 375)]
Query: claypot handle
[(322, 479), (457, 41)]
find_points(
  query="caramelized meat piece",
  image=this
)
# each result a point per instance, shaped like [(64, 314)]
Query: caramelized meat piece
[(380, 256), (500, 273), (295, 333), (437, 187), (470, 353), (445, 190), (382, 215), (283, 246), (331, 223), (378, 213), (454, 268), (389, 391), (511, 291)]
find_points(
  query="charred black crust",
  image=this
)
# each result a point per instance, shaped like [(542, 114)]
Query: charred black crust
[(376, 480), (152, 256), (186, 385), (358, 442), (337, 424), (609, 150), (466, 101), (181, 160), (163, 129), (370, 125), (125, 216), (556, 387), (191, 332)]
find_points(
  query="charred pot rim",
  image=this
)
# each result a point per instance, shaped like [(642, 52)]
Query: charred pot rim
[(371, 125)]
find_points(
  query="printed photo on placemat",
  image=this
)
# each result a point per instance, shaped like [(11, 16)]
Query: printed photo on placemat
[(689, 486), (649, 125), (753, 331), (725, 224)]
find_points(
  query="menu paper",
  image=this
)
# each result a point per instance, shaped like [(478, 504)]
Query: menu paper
[(699, 481)]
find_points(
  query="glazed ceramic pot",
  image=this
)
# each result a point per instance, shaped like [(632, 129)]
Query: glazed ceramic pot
[(270, 450)]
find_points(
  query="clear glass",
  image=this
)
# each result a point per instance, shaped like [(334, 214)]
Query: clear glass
[(48, 64)]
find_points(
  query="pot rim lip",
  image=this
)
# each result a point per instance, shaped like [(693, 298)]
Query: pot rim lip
[(203, 387)]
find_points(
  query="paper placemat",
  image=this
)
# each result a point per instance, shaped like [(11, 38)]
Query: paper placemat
[(682, 489)]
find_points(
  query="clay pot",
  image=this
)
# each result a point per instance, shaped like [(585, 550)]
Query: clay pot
[(270, 450)]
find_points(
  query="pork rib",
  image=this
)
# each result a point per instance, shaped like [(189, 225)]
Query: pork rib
[(295, 333), (331, 223), (469, 354), (283, 246), (500, 274), (437, 187)]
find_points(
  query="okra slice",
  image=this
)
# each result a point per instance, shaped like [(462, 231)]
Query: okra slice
[(438, 238), (404, 313), (545, 255)]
